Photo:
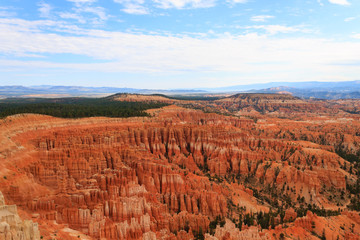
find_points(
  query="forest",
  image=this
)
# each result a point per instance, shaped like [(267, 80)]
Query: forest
[(76, 107)]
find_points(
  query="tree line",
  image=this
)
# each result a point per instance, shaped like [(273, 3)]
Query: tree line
[(77, 107)]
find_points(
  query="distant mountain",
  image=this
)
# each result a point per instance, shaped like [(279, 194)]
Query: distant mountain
[(78, 91), (322, 90), (340, 93), (335, 86)]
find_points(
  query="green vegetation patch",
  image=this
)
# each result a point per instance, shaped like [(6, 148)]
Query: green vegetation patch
[(76, 107)]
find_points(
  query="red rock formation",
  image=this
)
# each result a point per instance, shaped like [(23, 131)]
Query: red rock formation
[(290, 215), (168, 175), (11, 225), (230, 232)]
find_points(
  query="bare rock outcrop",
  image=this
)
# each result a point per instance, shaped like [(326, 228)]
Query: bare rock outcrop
[(169, 176), (12, 227)]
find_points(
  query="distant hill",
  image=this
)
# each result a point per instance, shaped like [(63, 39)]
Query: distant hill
[(79, 91), (321, 90), (349, 93), (335, 86)]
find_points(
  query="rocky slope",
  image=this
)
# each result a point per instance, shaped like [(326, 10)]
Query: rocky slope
[(279, 105), (142, 98), (185, 174), (11, 225)]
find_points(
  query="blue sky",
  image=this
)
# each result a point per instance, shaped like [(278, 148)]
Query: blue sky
[(178, 43)]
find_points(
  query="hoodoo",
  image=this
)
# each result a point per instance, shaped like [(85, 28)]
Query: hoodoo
[(180, 174)]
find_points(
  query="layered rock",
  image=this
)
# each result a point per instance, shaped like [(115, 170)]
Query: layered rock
[(165, 176), (12, 227), (230, 232)]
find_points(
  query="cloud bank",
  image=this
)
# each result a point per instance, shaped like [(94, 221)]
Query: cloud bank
[(126, 52), (340, 2)]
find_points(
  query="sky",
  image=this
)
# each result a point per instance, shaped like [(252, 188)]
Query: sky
[(162, 44)]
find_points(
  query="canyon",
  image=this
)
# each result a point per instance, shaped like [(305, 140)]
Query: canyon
[(248, 166)]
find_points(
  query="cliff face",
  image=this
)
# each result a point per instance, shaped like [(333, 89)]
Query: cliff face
[(273, 104), (142, 98), (165, 176), (12, 227)]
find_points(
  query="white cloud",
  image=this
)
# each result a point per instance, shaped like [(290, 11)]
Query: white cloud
[(179, 4), (84, 12), (281, 58), (135, 2), (237, 1), (275, 29), (357, 36), (98, 11), (339, 2), (261, 18), (133, 6), (6, 12), (136, 9), (44, 9), (74, 16), (349, 19), (139, 6), (320, 2), (82, 1)]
